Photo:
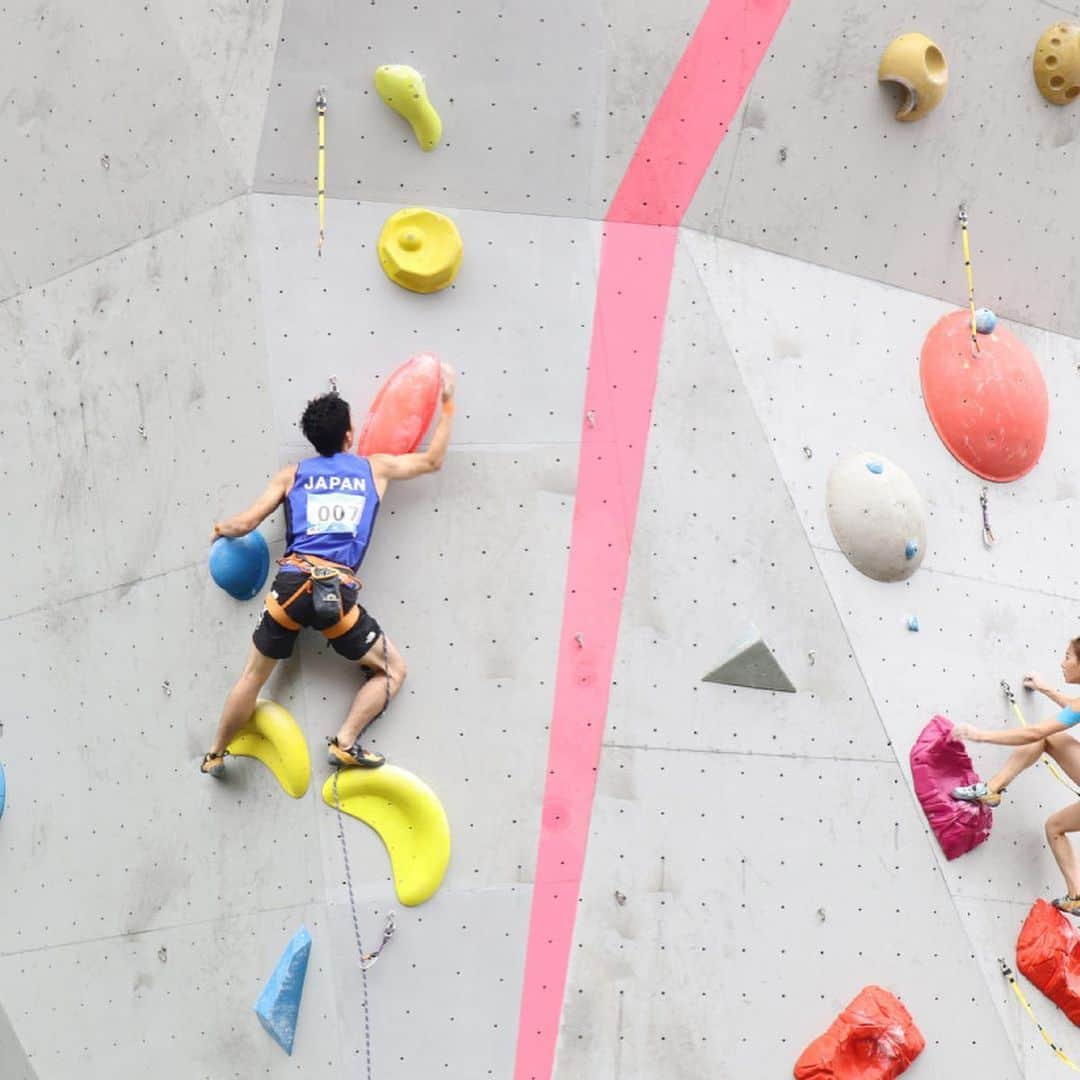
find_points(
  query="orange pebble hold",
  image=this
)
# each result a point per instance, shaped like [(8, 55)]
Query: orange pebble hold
[(403, 408), (874, 1038), (990, 407), (1048, 955)]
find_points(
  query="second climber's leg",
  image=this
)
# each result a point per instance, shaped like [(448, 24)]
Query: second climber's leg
[(1058, 826), (1023, 757)]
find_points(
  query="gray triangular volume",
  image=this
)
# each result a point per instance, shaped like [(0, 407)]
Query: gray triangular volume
[(13, 1061), (750, 662)]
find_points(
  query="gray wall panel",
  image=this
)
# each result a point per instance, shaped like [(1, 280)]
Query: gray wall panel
[(519, 90), (760, 896), (106, 804), (165, 337), (85, 83), (831, 363), (719, 544), (861, 192), (516, 323)]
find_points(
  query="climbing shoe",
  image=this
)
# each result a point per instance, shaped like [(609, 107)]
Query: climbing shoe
[(356, 756), (1069, 904), (977, 793), (213, 765)]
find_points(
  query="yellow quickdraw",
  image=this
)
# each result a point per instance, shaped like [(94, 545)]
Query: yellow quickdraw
[(1062, 1056), (320, 112), (971, 281), (1046, 759)]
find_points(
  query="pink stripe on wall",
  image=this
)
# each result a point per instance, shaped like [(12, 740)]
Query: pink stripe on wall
[(636, 261)]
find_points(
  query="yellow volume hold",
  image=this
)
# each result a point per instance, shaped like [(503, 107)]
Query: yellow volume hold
[(914, 62), (273, 737), (409, 819), (420, 249), (402, 88)]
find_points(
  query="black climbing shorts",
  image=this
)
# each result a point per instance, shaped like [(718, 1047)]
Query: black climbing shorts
[(277, 641)]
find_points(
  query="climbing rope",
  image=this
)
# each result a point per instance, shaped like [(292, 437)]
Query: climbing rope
[(988, 533), (1062, 1056), (367, 959), (963, 218), (320, 112), (1046, 759)]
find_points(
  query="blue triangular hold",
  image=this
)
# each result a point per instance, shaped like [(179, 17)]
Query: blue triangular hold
[(279, 1003)]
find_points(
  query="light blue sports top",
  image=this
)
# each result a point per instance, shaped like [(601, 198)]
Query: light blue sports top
[(330, 509), (1068, 717)]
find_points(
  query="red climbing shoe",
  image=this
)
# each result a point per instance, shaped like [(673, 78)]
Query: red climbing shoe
[(213, 765), (364, 759)]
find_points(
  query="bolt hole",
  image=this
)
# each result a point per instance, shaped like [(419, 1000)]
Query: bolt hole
[(1057, 82), (1051, 61), (1072, 92), (1055, 41)]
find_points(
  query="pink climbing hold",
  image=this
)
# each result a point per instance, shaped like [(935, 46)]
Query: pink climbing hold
[(940, 763)]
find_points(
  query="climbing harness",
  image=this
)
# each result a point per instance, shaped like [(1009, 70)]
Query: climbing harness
[(963, 219), (1046, 759), (1062, 1056), (367, 959), (324, 580), (320, 113), (988, 533)]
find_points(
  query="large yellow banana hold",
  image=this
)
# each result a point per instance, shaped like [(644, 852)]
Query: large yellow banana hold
[(402, 88), (273, 737), (409, 819)]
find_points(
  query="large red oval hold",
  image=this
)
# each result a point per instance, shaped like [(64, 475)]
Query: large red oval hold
[(403, 408), (990, 408)]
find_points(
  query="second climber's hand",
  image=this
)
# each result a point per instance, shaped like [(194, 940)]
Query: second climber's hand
[(963, 731), (1033, 682), (449, 380)]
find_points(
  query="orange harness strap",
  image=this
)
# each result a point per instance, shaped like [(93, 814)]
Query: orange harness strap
[(344, 624), (277, 610)]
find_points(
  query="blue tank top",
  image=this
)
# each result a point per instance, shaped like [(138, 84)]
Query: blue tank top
[(330, 509)]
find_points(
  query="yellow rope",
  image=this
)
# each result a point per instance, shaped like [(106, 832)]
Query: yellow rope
[(1046, 759), (320, 111), (970, 278), (1062, 1056)]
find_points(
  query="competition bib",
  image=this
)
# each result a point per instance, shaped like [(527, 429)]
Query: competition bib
[(336, 512)]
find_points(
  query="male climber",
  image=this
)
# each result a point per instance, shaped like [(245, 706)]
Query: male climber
[(331, 501), (1058, 738)]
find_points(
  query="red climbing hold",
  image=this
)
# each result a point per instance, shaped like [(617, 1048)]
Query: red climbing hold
[(1048, 954), (874, 1038), (990, 408), (940, 763), (403, 408)]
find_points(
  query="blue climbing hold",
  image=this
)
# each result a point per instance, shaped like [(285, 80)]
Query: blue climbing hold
[(913, 623), (279, 1003), (3, 790), (875, 467), (240, 565), (912, 549), (985, 321)]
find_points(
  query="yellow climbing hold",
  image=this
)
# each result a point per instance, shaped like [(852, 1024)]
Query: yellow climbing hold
[(1057, 63), (919, 66), (402, 88), (409, 819), (420, 249), (273, 737)]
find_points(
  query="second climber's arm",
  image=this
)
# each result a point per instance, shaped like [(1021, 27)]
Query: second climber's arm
[(251, 518), (1021, 736)]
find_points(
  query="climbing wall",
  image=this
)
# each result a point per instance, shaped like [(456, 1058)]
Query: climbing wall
[(701, 258)]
